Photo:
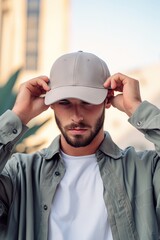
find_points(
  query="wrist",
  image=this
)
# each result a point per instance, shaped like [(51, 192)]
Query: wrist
[(134, 107), (22, 116)]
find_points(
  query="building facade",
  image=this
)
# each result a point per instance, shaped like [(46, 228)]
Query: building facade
[(32, 34)]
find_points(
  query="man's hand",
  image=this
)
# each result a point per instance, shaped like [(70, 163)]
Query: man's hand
[(29, 102), (129, 98)]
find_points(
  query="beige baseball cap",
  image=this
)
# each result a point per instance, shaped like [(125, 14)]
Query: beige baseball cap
[(79, 75)]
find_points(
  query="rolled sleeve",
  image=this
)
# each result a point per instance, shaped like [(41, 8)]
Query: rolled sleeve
[(146, 116), (147, 120), (11, 127)]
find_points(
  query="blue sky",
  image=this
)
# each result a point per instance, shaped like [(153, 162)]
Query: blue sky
[(125, 33)]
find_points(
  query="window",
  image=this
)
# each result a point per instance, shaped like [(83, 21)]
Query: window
[(32, 39)]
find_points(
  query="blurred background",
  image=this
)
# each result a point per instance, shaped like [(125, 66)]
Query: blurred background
[(126, 34)]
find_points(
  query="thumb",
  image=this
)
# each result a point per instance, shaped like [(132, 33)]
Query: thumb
[(117, 102)]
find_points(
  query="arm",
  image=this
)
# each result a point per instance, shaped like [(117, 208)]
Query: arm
[(11, 129), (146, 119), (28, 105), (29, 102), (143, 115)]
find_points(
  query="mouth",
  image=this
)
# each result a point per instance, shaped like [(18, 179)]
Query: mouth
[(77, 130)]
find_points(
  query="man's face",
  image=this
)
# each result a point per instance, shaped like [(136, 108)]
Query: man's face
[(78, 121)]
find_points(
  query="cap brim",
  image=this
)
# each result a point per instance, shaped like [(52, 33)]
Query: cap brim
[(91, 95)]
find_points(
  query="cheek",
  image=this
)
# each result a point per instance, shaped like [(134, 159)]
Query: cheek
[(95, 112), (61, 119), (98, 115)]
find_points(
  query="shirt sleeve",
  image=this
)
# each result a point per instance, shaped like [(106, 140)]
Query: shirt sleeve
[(11, 130), (147, 120)]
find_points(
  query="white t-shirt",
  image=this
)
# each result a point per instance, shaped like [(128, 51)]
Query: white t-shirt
[(78, 210)]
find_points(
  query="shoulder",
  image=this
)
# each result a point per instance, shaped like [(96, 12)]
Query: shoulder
[(23, 161), (140, 162)]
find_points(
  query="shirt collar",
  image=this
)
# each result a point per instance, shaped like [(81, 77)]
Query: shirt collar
[(108, 147), (53, 149)]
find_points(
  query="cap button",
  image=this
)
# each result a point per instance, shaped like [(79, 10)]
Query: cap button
[(80, 51)]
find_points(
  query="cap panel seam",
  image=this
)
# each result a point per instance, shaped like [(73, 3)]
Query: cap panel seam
[(105, 69), (74, 69)]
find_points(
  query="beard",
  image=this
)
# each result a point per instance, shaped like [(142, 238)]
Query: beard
[(79, 140)]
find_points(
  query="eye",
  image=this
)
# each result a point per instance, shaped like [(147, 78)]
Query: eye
[(86, 103), (64, 102)]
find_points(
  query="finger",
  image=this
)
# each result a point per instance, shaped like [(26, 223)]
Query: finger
[(107, 83), (117, 102), (38, 86), (41, 82), (116, 81)]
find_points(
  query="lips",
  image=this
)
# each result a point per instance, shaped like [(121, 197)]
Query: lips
[(77, 130)]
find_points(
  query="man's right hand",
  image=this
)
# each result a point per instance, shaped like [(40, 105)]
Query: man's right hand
[(29, 102)]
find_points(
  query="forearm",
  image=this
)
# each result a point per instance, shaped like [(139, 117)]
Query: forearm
[(11, 130), (147, 120)]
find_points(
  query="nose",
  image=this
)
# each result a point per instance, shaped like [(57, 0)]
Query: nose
[(77, 115)]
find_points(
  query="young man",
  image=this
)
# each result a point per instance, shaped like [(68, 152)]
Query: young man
[(83, 186)]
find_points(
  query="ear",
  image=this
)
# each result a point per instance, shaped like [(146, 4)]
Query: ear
[(109, 96), (107, 103)]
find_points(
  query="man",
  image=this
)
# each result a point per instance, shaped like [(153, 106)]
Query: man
[(83, 186)]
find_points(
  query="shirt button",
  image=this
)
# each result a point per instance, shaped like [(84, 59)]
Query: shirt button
[(139, 123), (57, 173), (45, 207), (120, 203), (15, 131)]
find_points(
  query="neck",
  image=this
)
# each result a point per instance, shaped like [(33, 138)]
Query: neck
[(81, 151)]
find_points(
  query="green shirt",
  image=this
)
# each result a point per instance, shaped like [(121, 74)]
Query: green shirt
[(131, 181)]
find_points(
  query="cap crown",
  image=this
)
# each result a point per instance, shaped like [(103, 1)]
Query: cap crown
[(78, 69)]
